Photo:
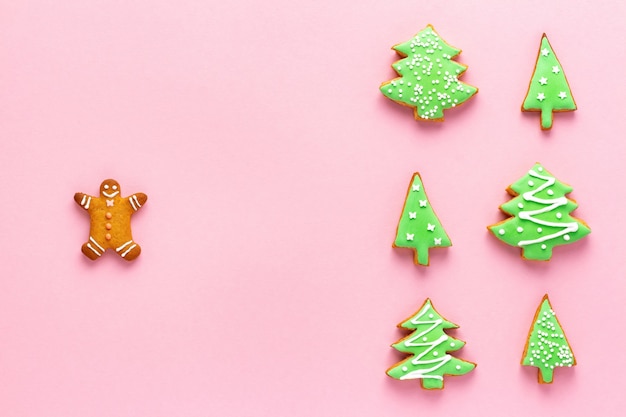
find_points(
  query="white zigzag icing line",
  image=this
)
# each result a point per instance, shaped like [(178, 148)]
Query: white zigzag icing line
[(422, 373), (552, 204)]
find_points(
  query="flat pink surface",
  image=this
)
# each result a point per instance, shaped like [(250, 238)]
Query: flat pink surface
[(276, 173)]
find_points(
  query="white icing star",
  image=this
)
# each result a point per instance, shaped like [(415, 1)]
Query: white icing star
[(556, 69), (541, 96), (430, 227), (410, 236), (543, 81), (423, 203), (110, 203), (562, 95), (545, 52), (416, 187), (412, 214), (437, 241)]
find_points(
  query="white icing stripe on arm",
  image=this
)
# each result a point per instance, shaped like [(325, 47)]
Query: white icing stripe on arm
[(136, 200), (87, 205), (132, 204), (94, 251), (96, 243), (82, 202), (128, 250), (123, 246)]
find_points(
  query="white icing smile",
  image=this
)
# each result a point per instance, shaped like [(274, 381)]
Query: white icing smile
[(111, 195)]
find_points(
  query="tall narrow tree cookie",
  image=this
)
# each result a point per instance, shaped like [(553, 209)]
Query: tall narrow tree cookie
[(428, 345), (541, 216), (548, 90), (429, 78), (547, 347), (110, 215), (419, 228)]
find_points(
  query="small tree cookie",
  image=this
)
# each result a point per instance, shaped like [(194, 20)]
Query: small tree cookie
[(547, 347), (548, 90), (541, 216), (419, 228), (110, 215), (429, 78), (429, 346)]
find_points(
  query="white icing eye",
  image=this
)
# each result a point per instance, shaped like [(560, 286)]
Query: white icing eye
[(106, 186), (114, 187)]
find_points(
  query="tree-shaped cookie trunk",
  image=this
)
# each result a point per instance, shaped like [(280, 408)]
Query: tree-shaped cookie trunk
[(548, 90), (428, 345), (419, 228), (429, 78), (547, 347), (541, 216)]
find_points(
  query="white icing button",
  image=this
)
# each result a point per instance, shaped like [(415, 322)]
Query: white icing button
[(501, 231), (520, 205), (539, 230), (559, 215), (543, 246), (404, 368), (531, 183), (550, 192), (520, 229), (566, 237)]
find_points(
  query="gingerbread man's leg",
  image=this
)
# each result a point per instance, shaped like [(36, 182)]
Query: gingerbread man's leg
[(129, 250), (92, 249)]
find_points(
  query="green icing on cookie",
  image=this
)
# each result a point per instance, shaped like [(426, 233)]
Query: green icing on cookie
[(419, 228), (428, 79), (547, 347), (429, 346), (541, 216), (548, 90)]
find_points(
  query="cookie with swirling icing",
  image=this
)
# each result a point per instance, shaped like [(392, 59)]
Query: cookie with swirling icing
[(540, 214), (428, 344)]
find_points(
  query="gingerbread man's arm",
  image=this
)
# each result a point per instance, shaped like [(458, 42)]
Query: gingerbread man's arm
[(137, 200), (83, 200)]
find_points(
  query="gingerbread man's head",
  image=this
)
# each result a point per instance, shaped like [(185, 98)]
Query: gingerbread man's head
[(109, 188)]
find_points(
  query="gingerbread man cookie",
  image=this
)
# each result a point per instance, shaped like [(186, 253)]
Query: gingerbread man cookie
[(110, 221)]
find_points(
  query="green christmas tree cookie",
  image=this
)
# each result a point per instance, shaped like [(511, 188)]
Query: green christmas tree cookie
[(419, 228), (547, 347), (429, 78), (541, 216), (548, 90), (428, 345)]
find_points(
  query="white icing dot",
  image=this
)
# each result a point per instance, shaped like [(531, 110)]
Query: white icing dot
[(458, 367), (531, 183), (520, 205), (540, 169), (566, 237), (543, 246), (452, 344), (559, 215), (539, 230), (435, 353), (430, 316), (424, 338), (520, 229), (550, 192), (404, 368), (501, 231)]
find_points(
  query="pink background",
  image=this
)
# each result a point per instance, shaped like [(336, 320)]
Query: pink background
[(276, 173)]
